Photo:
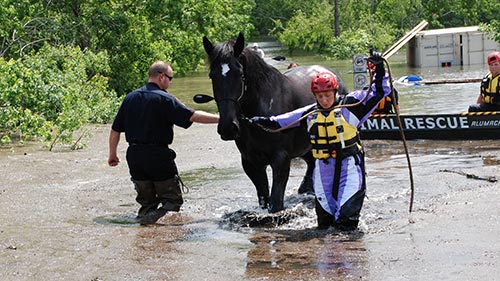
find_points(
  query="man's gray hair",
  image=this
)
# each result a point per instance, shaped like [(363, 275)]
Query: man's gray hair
[(158, 67)]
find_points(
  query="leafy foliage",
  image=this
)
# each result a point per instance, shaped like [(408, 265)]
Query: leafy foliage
[(313, 31), (309, 31), (492, 30), (372, 23), (267, 12), (452, 13), (53, 93), (50, 87)]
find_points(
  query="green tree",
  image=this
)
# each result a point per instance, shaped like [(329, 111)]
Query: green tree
[(59, 59), (23, 27), (315, 30), (309, 30), (267, 12), (187, 21), (492, 29), (453, 13), (53, 93), (134, 33)]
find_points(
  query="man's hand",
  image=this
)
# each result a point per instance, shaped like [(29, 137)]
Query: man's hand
[(113, 161)]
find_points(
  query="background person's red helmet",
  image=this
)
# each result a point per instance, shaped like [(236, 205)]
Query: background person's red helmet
[(493, 57), (324, 81)]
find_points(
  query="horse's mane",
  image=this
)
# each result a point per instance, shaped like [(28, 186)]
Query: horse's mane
[(222, 52), (256, 69), (257, 72)]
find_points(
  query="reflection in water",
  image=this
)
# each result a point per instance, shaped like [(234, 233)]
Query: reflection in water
[(307, 255), (157, 250), (117, 219)]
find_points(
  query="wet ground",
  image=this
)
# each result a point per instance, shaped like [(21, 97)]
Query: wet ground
[(68, 216)]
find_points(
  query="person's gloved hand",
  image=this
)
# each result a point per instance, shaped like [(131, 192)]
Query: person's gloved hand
[(264, 122), (371, 66), (378, 63), (259, 120), (245, 120)]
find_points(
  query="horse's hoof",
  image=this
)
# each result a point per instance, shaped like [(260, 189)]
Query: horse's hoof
[(263, 203), (306, 186)]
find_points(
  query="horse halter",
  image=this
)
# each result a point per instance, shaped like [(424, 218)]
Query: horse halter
[(243, 90)]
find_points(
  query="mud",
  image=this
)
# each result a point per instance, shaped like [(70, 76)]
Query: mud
[(66, 215)]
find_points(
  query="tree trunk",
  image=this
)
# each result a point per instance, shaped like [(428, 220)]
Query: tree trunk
[(336, 18)]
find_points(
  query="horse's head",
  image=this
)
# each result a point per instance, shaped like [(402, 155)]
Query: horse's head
[(228, 83)]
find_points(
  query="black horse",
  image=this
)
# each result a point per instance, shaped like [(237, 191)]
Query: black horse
[(244, 85)]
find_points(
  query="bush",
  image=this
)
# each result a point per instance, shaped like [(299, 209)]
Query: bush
[(50, 94)]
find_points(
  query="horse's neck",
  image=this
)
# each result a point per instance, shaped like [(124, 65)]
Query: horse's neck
[(261, 100), (250, 103), (266, 89)]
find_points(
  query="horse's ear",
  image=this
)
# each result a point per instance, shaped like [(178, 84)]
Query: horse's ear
[(209, 47), (239, 45)]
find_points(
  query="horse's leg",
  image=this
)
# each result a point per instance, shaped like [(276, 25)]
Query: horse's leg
[(258, 176), (281, 171), (306, 186)]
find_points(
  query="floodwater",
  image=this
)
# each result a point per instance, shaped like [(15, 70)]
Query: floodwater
[(68, 216)]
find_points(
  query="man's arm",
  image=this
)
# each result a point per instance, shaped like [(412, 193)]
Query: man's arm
[(114, 139), (204, 117)]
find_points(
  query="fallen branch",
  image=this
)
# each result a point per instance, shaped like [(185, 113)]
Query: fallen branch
[(450, 81), (472, 176)]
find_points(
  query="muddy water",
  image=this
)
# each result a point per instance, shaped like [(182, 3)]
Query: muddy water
[(68, 216)]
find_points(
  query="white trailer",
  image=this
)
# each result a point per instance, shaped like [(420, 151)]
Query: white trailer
[(449, 47)]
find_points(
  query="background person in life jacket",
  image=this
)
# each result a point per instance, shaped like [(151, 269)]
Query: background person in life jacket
[(386, 105), (489, 97), (339, 174)]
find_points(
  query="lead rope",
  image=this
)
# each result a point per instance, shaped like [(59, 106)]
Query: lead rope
[(403, 138), (184, 188), (398, 117)]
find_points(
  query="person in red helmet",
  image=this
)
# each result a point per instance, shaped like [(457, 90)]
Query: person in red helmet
[(339, 173), (489, 97)]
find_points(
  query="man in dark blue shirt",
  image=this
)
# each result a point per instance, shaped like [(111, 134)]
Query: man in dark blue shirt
[(147, 116)]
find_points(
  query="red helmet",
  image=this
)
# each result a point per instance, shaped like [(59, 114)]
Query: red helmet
[(493, 57), (324, 81)]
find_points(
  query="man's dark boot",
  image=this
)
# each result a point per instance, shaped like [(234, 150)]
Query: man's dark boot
[(169, 194), (146, 197), (152, 217)]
